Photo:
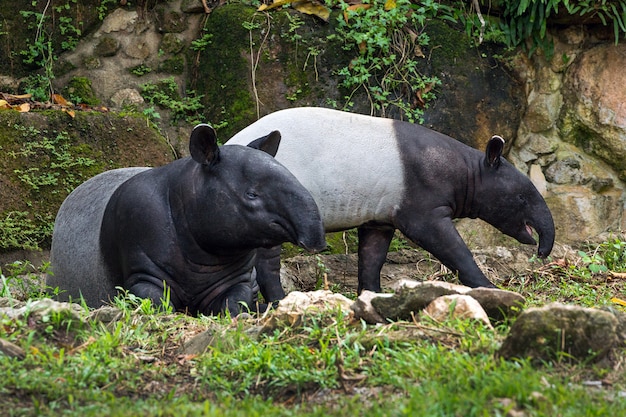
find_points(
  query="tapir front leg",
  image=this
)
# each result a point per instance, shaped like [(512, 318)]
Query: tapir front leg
[(441, 239), (268, 274), (373, 246)]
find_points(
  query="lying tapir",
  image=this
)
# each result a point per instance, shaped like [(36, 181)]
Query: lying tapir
[(379, 175), (191, 227)]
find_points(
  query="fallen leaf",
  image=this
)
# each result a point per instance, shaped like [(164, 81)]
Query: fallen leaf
[(59, 99), (621, 275), (72, 113), (390, 4), (618, 301), (354, 8), (419, 94), (277, 3), (4, 104), (23, 108), (312, 8)]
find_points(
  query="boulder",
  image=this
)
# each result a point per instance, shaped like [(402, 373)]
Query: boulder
[(558, 331)]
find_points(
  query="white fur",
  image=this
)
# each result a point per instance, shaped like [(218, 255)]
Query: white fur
[(350, 163)]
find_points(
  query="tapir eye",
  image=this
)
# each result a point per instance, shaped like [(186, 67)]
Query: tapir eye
[(251, 195)]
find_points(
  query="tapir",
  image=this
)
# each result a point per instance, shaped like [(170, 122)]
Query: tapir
[(379, 175), (185, 233)]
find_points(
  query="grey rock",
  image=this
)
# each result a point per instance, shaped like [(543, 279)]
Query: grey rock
[(559, 331)]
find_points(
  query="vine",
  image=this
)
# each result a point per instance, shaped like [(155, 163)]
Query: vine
[(389, 38)]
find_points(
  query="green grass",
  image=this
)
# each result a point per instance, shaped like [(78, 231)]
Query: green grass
[(330, 366)]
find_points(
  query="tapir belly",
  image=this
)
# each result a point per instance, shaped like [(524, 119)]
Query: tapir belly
[(353, 182)]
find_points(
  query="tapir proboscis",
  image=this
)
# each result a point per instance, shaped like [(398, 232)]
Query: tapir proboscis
[(379, 175), (185, 233)]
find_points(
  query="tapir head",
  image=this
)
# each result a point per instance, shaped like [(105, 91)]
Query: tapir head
[(510, 202), (252, 200)]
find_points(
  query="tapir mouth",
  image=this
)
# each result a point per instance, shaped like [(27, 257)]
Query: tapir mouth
[(291, 235), (526, 235)]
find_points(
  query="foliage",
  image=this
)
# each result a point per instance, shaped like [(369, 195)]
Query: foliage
[(165, 95), (49, 166), (48, 23), (389, 38), (526, 20), (327, 366)]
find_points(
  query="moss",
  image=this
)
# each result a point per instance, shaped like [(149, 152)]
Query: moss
[(173, 65), (106, 47), (79, 90), (47, 154), (224, 70), (171, 43)]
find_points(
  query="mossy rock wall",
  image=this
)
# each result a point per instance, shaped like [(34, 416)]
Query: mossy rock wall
[(47, 154)]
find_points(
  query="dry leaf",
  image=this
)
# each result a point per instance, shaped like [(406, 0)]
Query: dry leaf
[(390, 4), (312, 8), (23, 108), (4, 104), (621, 275), (72, 113), (618, 301), (277, 3), (59, 99), (354, 8)]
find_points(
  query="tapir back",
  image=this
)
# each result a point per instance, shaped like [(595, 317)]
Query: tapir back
[(355, 176), (77, 265)]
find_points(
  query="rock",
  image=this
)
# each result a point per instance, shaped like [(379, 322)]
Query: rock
[(456, 306), (596, 113), (40, 310), (363, 308), (296, 305), (119, 20), (106, 314), (498, 304), (11, 350), (106, 47), (411, 298), (414, 296), (548, 332), (199, 343), (126, 96)]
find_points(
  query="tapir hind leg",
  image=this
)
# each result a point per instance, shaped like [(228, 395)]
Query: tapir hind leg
[(373, 246), (268, 274), (151, 288), (442, 240)]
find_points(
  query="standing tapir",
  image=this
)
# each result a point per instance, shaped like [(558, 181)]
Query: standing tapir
[(380, 175), (187, 231)]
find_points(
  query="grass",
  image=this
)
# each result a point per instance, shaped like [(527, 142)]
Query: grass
[(332, 365)]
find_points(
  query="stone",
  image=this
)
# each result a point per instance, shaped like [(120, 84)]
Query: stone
[(126, 96), (138, 50), (192, 6), (119, 20), (538, 179), (498, 304), (292, 309), (106, 314), (40, 310), (11, 350), (172, 43), (456, 306), (542, 111), (558, 331), (106, 47), (413, 296), (410, 300), (364, 310)]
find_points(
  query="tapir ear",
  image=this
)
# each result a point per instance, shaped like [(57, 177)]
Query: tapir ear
[(268, 144), (495, 146), (203, 145)]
